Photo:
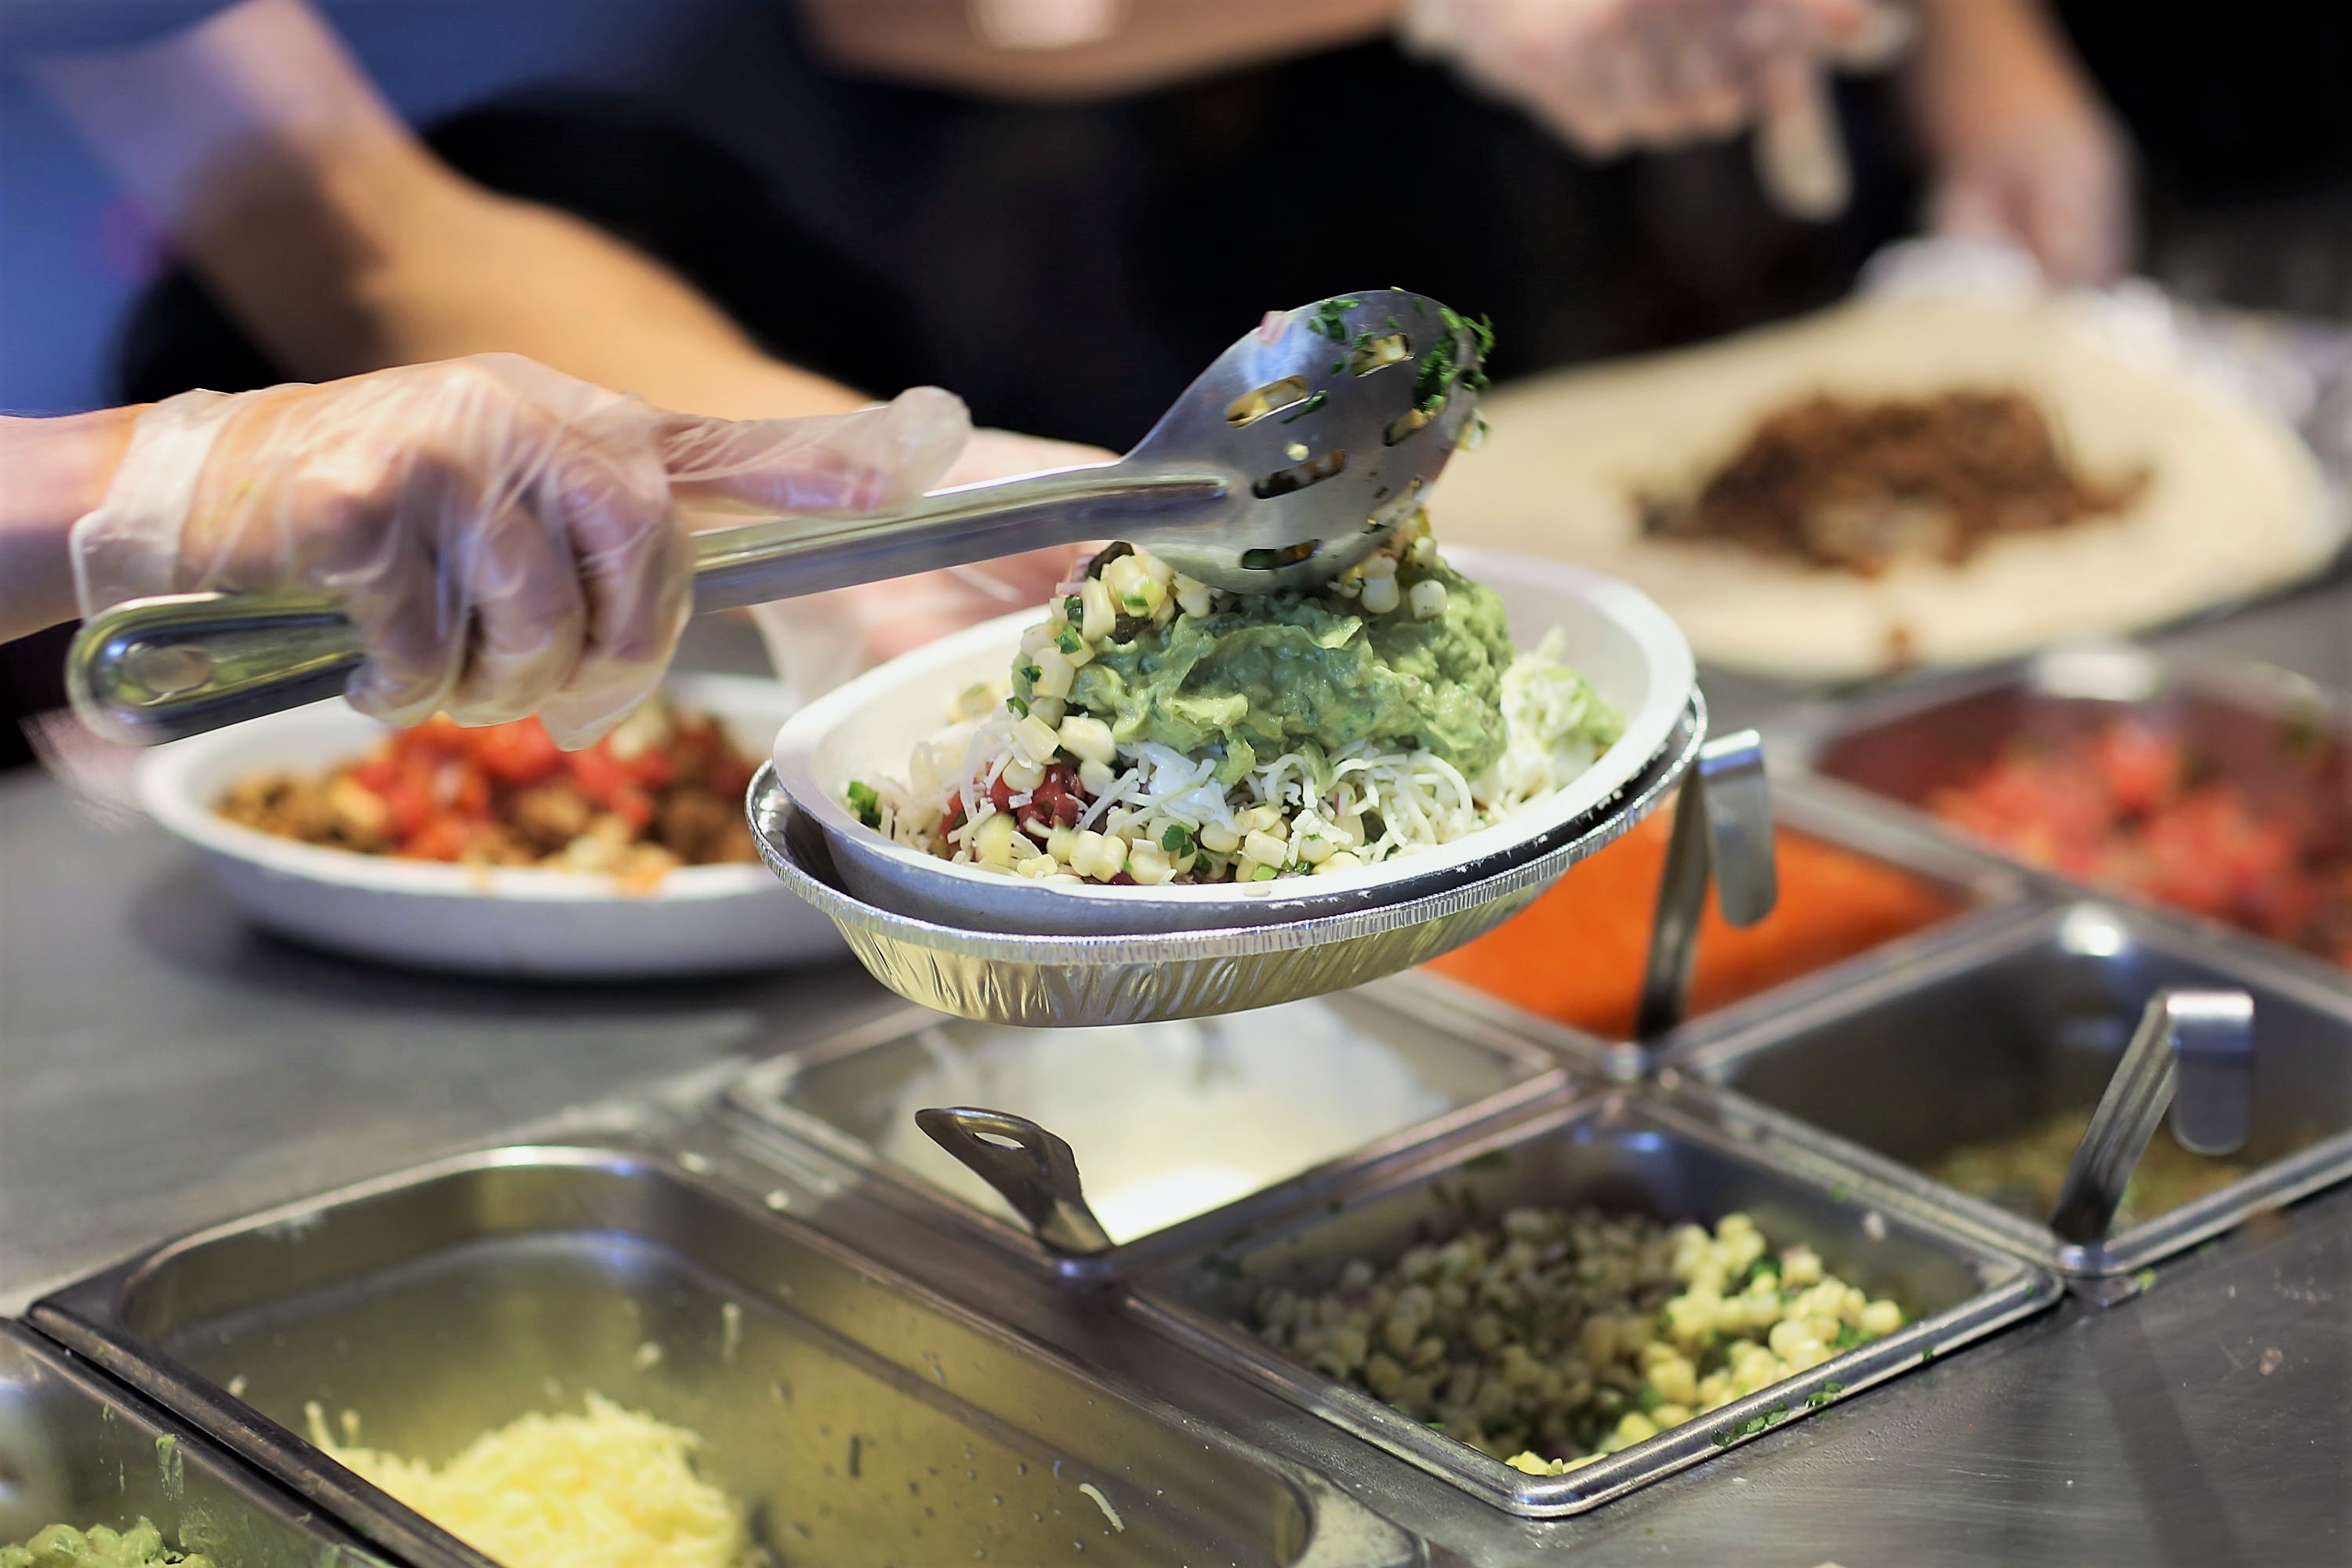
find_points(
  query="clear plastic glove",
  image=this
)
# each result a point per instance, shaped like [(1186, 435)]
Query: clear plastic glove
[(818, 642), (507, 539), (1613, 75)]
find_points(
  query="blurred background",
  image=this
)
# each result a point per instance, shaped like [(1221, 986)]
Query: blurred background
[(694, 127), (1064, 224)]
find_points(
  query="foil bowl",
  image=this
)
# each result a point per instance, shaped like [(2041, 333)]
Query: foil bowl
[(1634, 657), (1057, 981)]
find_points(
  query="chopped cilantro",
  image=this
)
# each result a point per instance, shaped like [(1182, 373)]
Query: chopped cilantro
[(1267, 873), (1030, 672), (1073, 609), (1314, 401), (1848, 1336), (1067, 642), (1725, 1439), (2143, 1279), (1176, 839), (865, 803), (1020, 706), (1216, 1262), (1330, 319)]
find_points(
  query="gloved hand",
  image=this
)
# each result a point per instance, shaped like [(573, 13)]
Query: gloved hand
[(1611, 74), (818, 642), (506, 539)]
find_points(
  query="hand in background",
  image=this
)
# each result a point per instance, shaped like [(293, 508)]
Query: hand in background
[(1611, 76)]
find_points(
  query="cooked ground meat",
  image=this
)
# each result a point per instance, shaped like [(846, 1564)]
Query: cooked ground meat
[(1856, 486)]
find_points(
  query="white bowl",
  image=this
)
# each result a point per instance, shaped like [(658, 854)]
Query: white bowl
[(1634, 655), (517, 921)]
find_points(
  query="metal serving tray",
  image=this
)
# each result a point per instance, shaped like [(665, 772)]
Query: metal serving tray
[(2005, 1025), (1624, 1151), (1980, 887), (862, 1419), (1890, 755), (841, 1096), (78, 1449)]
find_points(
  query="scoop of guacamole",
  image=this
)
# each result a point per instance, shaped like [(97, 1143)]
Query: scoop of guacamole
[(1290, 671), (63, 1546)]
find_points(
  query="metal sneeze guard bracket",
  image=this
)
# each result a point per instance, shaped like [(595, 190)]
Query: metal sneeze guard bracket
[(1722, 835)]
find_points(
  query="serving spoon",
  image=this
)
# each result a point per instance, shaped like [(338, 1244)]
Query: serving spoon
[(1284, 463)]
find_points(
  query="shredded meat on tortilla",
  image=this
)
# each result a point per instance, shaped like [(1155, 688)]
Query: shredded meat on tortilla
[(1854, 485)]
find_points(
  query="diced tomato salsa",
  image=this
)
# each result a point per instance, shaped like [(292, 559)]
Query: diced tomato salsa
[(2131, 807)]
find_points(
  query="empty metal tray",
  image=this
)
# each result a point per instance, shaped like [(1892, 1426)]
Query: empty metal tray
[(1625, 1152), (77, 1448), (2011, 1025), (1177, 1126), (861, 1419)]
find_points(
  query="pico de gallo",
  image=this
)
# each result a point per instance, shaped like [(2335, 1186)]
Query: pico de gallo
[(665, 789), (2132, 806)]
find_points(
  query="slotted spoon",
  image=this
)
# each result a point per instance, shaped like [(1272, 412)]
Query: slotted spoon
[(1281, 466)]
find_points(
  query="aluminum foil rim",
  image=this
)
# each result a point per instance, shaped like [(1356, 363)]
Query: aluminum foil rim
[(775, 817)]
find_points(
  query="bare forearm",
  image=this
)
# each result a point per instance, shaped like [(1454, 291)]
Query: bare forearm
[(340, 242), (505, 275), (1155, 42), (51, 473), (1966, 43)]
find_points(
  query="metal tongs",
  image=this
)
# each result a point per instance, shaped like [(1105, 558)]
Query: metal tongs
[(1287, 462), (1030, 1168), (2194, 1051)]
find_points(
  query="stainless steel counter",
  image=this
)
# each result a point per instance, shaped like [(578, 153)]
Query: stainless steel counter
[(160, 1066)]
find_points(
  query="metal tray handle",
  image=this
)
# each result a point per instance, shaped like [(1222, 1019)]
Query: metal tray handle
[(1722, 833), (1032, 1169), (2194, 1051)]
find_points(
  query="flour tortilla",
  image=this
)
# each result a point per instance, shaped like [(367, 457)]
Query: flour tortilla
[(2234, 505)]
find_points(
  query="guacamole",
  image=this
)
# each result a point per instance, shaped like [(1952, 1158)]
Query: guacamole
[(1312, 673), (63, 1546)]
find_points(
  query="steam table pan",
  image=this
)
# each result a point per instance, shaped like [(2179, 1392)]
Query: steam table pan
[(2001, 1026), (1333, 942), (78, 1449), (1179, 1128), (1624, 1151), (860, 1418), (2283, 742)]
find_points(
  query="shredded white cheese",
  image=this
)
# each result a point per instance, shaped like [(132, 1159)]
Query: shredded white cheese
[(611, 1488)]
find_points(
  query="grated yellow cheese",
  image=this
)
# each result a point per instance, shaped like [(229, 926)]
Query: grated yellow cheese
[(612, 1488)]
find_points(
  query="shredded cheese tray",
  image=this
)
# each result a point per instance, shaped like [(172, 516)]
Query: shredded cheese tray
[(610, 1488)]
